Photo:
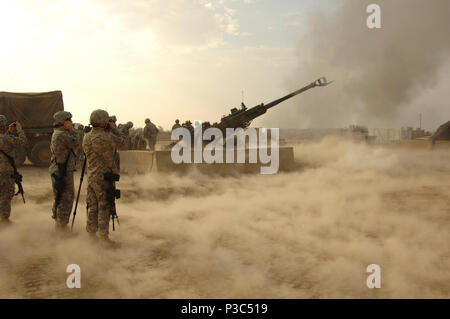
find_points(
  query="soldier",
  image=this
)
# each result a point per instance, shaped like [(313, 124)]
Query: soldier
[(11, 137), (80, 129), (113, 119), (64, 148), (150, 133), (135, 139), (188, 125), (99, 145), (176, 125), (125, 130)]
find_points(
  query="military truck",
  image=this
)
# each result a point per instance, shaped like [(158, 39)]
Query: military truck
[(35, 112)]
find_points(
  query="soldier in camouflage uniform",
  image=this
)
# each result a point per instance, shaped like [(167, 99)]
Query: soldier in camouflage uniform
[(79, 128), (176, 125), (125, 130), (113, 119), (188, 125), (150, 133), (99, 145), (138, 141), (64, 149), (11, 137)]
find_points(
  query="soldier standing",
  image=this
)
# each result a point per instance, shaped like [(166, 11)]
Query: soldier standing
[(150, 133), (113, 119), (188, 125), (176, 125), (99, 145), (64, 149), (79, 128), (11, 137), (125, 130)]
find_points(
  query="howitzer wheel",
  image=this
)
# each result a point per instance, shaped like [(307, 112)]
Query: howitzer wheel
[(40, 153)]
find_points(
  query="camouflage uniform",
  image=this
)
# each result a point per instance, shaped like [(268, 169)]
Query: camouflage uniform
[(150, 133), (113, 118), (99, 148), (125, 130), (64, 146), (79, 128), (8, 143), (138, 141), (188, 125)]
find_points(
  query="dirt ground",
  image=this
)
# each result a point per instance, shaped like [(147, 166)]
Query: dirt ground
[(305, 234)]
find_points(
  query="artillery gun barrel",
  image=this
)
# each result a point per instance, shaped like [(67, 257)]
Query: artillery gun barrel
[(243, 117), (319, 82)]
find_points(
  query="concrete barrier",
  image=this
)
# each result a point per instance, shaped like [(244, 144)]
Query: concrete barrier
[(164, 163), (142, 162), (422, 144), (136, 162)]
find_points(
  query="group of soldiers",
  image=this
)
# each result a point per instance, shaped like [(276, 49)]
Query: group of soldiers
[(99, 144), (187, 124)]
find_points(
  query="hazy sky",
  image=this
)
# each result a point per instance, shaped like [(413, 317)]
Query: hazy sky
[(162, 59)]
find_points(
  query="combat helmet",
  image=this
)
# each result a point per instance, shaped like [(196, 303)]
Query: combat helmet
[(99, 117), (3, 120), (60, 117), (147, 121), (129, 124)]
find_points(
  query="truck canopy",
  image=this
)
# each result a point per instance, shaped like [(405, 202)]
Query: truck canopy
[(31, 109)]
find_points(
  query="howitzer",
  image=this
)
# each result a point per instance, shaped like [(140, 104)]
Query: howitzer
[(242, 118), (112, 194)]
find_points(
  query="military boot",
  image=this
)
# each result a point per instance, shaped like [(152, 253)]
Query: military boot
[(4, 221), (93, 237), (62, 230), (107, 242)]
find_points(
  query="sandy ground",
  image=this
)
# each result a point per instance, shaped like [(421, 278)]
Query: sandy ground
[(305, 234)]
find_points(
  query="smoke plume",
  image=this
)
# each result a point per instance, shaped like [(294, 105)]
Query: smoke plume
[(380, 73)]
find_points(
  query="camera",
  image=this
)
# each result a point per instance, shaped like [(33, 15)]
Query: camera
[(111, 177)]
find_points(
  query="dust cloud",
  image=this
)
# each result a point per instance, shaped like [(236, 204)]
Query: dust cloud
[(304, 234), (381, 74)]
